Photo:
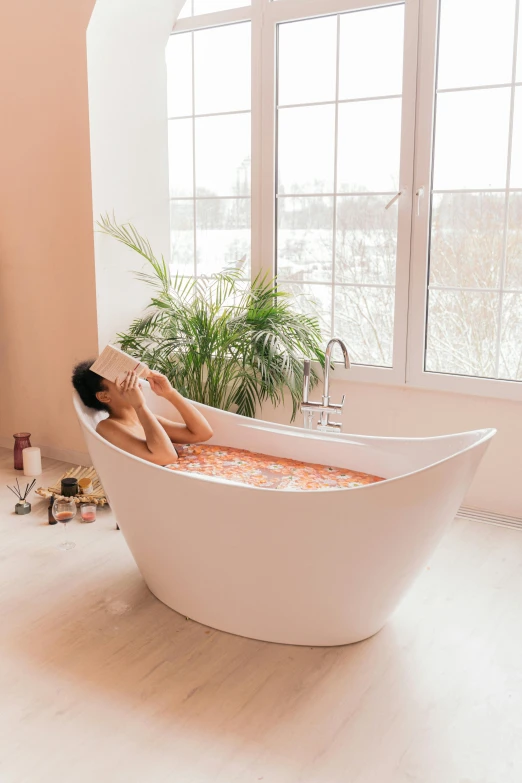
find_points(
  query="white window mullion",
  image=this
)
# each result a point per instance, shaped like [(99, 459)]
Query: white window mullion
[(406, 187), (506, 202), (335, 189), (257, 253), (425, 113), (267, 102), (213, 20), (194, 153), (292, 10)]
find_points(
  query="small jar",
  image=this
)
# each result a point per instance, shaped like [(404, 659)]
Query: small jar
[(85, 486), (69, 487)]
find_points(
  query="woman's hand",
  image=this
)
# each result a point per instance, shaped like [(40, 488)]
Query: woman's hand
[(131, 392), (159, 383)]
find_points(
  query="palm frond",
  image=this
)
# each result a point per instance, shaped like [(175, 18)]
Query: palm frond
[(220, 339)]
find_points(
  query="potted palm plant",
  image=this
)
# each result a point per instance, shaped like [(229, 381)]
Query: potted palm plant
[(221, 340)]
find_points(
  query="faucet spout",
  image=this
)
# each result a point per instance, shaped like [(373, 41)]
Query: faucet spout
[(328, 361), (325, 408)]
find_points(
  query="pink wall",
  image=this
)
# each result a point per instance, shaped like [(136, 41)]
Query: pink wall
[(47, 283)]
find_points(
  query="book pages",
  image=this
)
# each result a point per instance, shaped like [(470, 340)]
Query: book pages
[(113, 363)]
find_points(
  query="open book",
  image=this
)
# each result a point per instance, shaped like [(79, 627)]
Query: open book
[(113, 364)]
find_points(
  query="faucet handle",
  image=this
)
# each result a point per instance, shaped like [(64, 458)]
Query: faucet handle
[(330, 426), (336, 407)]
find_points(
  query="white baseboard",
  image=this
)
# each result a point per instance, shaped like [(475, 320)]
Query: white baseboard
[(62, 455), (489, 517)]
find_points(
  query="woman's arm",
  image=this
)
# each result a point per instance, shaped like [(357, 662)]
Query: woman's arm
[(157, 446), (195, 428)]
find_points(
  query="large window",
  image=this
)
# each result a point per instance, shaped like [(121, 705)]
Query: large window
[(475, 280), (369, 153), (210, 148), (338, 166)]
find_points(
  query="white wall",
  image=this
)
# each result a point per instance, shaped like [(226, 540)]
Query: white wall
[(126, 42)]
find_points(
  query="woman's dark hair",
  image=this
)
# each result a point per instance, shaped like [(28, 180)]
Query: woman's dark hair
[(87, 383)]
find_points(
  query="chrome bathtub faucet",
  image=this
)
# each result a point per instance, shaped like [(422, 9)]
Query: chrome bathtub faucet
[(324, 408)]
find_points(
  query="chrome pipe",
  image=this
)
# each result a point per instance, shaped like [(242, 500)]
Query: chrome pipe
[(306, 380)]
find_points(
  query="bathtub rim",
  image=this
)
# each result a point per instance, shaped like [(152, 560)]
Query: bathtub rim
[(487, 434)]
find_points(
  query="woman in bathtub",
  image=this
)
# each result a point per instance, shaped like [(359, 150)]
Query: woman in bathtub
[(131, 426)]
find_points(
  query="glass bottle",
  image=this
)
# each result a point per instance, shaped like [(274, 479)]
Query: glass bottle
[(52, 520)]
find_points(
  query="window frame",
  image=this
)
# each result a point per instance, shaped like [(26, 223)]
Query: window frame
[(416, 375), (418, 97)]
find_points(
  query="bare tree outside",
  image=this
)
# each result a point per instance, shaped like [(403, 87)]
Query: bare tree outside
[(339, 141)]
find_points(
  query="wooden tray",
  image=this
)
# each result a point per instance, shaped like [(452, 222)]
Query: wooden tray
[(97, 496)]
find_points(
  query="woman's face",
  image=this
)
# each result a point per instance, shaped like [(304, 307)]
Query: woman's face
[(111, 393)]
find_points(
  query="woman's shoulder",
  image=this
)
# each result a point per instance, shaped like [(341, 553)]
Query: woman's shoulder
[(106, 425)]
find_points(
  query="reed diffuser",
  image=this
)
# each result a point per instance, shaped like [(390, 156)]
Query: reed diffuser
[(22, 507)]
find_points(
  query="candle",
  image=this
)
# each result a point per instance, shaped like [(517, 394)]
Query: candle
[(32, 460), (88, 512)]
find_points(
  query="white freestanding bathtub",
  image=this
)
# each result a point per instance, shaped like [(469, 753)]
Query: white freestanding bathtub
[(321, 567)]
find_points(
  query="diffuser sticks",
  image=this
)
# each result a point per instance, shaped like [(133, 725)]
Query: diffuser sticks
[(22, 507)]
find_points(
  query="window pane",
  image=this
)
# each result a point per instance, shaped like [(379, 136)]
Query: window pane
[(182, 236), (476, 42), (222, 68), (306, 149), (366, 240), (364, 320), (467, 233), (471, 139), (304, 238), (179, 75), (307, 60), (223, 155), (370, 56), (516, 151), (369, 146), (462, 332), (223, 235), (180, 158), (510, 365), (514, 243), (315, 300)]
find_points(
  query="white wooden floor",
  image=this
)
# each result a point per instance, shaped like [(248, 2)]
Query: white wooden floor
[(100, 681)]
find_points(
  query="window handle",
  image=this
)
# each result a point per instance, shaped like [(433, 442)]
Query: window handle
[(419, 193), (394, 199)]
